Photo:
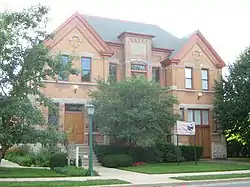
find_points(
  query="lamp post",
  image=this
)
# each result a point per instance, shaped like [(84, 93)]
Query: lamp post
[(91, 111)]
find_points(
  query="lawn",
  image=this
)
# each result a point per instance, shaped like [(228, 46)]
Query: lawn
[(62, 183), (27, 173), (212, 177), (185, 167)]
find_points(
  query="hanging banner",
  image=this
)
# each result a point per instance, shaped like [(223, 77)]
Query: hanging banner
[(185, 128)]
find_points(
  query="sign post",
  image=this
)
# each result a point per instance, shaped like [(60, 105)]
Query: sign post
[(187, 129)]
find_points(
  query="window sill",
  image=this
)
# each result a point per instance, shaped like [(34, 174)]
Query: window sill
[(189, 90), (71, 83)]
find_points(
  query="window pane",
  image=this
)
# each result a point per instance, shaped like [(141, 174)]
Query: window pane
[(190, 116), (188, 73), (53, 116), (156, 74), (188, 83), (204, 84), (205, 117), (86, 63), (138, 74), (112, 72), (197, 116), (182, 114), (74, 107), (204, 74), (86, 75), (138, 67), (65, 60)]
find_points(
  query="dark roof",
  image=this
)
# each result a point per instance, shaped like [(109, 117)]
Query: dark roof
[(110, 29)]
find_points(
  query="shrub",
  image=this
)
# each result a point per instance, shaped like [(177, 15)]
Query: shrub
[(170, 152), (58, 160), (42, 157), (72, 171), (26, 160), (161, 152), (117, 160), (188, 152)]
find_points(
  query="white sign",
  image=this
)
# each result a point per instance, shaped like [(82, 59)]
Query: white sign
[(185, 128)]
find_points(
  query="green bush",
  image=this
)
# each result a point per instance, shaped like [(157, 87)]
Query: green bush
[(27, 160), (42, 158), (73, 171), (58, 160), (117, 160), (188, 152), (161, 152), (170, 152)]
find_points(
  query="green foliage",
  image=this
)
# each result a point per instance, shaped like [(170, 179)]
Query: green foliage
[(22, 155), (73, 171), (135, 110), (188, 152), (232, 99), (25, 62), (27, 160), (170, 152), (42, 157), (58, 160), (161, 152), (117, 160)]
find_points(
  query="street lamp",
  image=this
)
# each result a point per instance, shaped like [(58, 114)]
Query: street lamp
[(90, 110)]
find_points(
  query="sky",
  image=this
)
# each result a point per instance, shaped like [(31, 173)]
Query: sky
[(224, 23)]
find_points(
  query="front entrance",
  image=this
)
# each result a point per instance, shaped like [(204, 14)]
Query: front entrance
[(74, 123), (202, 135)]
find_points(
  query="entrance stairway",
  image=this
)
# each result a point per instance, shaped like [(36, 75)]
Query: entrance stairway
[(84, 154)]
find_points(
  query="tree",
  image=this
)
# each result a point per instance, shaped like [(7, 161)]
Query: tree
[(135, 110), (24, 63), (232, 99)]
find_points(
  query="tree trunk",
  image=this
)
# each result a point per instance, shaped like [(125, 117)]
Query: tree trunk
[(2, 152)]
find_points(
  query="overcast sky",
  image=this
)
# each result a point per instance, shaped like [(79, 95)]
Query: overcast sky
[(225, 23)]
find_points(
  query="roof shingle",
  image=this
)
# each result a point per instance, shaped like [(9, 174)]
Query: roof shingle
[(110, 29)]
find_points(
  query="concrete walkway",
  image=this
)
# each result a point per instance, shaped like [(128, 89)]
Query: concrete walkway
[(8, 164), (110, 173), (132, 177)]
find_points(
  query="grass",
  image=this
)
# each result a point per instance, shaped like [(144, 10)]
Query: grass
[(185, 167), (240, 159), (62, 183), (212, 177), (27, 173)]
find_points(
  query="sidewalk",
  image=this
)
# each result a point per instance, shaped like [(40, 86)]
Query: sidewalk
[(131, 177)]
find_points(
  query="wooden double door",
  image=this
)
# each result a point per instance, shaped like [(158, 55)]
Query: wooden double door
[(202, 138), (74, 123)]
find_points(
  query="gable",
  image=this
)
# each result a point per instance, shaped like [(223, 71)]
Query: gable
[(77, 22), (197, 47)]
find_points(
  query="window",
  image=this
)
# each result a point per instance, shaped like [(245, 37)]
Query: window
[(188, 78), (112, 72), (205, 117), (74, 107), (200, 117), (53, 115), (138, 70), (204, 77), (65, 60), (182, 113), (156, 74), (86, 69)]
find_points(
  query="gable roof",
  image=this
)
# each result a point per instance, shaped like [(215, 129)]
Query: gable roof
[(110, 29)]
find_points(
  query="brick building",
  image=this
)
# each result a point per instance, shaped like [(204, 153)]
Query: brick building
[(109, 47)]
